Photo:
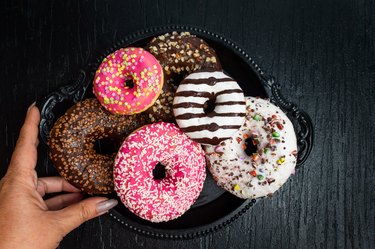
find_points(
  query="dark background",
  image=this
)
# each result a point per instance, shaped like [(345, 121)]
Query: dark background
[(321, 52)]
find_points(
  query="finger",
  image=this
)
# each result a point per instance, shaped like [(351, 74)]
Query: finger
[(64, 200), (54, 184), (73, 216), (25, 153)]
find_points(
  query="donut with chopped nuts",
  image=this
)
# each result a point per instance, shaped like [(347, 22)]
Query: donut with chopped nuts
[(72, 144), (179, 54), (159, 197), (260, 157)]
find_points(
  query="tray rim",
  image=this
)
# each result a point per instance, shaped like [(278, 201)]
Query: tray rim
[(77, 90)]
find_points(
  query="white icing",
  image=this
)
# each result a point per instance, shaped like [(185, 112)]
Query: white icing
[(207, 88), (182, 99), (205, 75), (231, 166), (210, 134), (208, 120), (218, 109), (202, 100)]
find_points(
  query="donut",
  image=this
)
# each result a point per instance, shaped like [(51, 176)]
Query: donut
[(182, 160), (209, 107), (261, 156), (179, 54), (128, 81), (72, 144)]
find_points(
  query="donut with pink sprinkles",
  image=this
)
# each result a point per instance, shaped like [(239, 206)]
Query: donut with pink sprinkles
[(128, 81), (179, 161)]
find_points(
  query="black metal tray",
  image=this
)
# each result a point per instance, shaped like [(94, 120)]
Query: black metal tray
[(215, 208)]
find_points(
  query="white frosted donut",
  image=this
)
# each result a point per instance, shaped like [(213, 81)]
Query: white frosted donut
[(213, 126), (260, 157)]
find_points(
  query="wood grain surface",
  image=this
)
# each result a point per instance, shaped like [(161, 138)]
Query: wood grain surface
[(321, 52)]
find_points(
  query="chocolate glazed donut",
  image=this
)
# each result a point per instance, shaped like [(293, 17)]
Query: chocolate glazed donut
[(179, 55), (72, 144)]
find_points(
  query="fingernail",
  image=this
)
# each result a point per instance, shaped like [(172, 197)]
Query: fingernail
[(104, 206), (31, 106)]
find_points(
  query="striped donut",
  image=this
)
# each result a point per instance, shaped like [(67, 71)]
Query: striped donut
[(209, 107)]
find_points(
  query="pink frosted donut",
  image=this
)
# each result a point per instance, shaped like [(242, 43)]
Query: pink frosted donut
[(128, 81), (149, 147)]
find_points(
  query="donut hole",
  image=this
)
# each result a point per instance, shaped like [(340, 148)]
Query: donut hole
[(159, 171), (105, 146), (129, 84), (209, 106), (250, 148)]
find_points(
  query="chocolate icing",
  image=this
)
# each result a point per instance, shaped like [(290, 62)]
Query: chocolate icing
[(72, 142)]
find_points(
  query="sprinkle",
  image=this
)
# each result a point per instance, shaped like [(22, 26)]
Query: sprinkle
[(280, 126), (219, 149), (265, 150), (281, 160), (256, 117), (275, 134), (294, 152), (253, 173), (255, 156), (260, 177), (237, 187), (270, 180), (245, 136)]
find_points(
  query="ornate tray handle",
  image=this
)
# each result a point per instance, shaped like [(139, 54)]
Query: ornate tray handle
[(48, 106), (300, 119)]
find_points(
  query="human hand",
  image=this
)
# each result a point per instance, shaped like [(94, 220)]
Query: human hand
[(28, 221)]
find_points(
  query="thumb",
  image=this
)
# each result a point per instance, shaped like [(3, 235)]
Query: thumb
[(73, 216)]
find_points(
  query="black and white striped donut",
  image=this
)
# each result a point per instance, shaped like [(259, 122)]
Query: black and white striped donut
[(209, 106)]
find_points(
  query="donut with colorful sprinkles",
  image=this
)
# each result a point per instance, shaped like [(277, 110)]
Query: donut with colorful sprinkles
[(128, 81), (159, 172), (260, 157)]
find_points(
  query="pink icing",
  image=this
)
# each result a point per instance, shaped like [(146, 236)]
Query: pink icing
[(125, 64), (170, 197)]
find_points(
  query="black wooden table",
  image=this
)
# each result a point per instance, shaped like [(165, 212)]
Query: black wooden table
[(321, 52)]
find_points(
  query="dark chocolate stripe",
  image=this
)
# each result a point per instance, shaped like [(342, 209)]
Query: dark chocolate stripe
[(229, 91), (197, 105), (231, 103), (188, 105), (207, 81), (205, 94), (209, 127), (210, 115), (213, 141), (193, 94)]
